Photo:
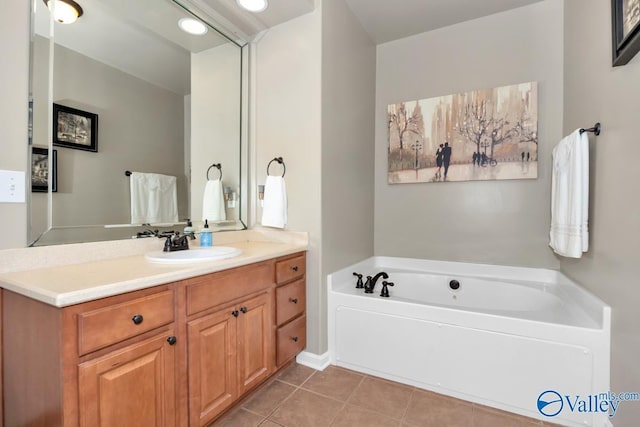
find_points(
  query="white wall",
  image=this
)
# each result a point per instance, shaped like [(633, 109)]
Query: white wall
[(14, 87), (288, 124), (502, 222), (215, 121), (348, 99), (594, 91)]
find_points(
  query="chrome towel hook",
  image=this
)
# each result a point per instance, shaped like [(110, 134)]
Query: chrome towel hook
[(279, 160), (215, 165)]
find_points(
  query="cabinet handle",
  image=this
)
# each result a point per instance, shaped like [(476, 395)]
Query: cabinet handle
[(294, 268), (137, 319), (243, 309), (235, 313), (293, 300), (172, 340), (294, 339)]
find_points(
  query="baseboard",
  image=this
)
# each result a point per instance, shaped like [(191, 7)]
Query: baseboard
[(315, 361)]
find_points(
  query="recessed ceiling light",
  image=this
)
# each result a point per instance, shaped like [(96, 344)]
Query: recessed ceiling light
[(253, 5), (64, 11), (192, 26)]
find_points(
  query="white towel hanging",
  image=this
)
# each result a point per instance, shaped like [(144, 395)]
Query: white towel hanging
[(153, 198), (213, 201), (274, 211), (569, 234)]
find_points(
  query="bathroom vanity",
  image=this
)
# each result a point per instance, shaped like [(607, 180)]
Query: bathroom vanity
[(146, 344)]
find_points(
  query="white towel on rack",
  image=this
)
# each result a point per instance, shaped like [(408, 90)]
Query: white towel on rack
[(569, 234), (213, 201), (274, 210), (153, 198)]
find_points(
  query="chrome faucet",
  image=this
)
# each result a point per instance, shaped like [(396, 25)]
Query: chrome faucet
[(370, 284)]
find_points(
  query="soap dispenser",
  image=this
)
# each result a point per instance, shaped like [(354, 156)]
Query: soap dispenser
[(206, 239), (189, 228)]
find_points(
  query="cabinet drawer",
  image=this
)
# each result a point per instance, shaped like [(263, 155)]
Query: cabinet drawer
[(290, 301), (108, 325), (217, 288), (290, 269), (292, 339)]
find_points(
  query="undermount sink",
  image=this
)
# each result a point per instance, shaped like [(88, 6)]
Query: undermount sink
[(214, 253)]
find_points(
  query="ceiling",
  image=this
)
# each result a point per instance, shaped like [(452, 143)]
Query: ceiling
[(387, 20), (148, 28)]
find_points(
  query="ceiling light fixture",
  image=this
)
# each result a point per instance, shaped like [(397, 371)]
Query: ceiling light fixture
[(192, 26), (253, 5), (64, 11)]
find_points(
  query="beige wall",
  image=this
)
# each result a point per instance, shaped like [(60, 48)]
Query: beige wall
[(315, 94), (287, 124), (14, 87), (348, 99), (501, 222), (140, 128), (594, 91), (215, 122)]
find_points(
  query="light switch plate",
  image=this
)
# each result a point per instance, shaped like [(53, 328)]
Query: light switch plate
[(12, 187)]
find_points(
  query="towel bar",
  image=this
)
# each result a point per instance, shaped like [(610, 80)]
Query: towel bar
[(595, 129), (279, 160), (215, 165)]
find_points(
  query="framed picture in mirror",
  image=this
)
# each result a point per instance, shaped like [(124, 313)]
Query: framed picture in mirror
[(625, 28), (75, 128), (41, 168)]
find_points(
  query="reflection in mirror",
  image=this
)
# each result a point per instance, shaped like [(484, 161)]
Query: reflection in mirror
[(167, 104)]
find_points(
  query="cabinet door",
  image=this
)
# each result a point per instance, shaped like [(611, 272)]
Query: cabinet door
[(133, 386), (212, 365), (255, 341)]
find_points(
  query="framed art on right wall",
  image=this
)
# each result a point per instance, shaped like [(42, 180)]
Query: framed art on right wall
[(625, 30)]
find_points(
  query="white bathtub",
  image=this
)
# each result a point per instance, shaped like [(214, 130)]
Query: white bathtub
[(504, 337)]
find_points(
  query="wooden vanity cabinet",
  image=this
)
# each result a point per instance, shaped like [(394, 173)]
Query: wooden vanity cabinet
[(178, 354), (291, 321), (93, 364), (230, 344), (131, 386)]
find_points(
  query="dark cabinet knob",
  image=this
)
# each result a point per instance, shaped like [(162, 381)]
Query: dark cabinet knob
[(294, 268), (137, 319), (243, 309), (294, 339), (293, 300), (172, 340), (235, 313)]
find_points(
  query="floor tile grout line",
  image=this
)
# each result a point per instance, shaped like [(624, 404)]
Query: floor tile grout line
[(296, 388)]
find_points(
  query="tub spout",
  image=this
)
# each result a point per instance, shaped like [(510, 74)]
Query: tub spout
[(370, 284)]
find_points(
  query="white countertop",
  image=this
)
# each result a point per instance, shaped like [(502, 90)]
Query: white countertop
[(67, 284)]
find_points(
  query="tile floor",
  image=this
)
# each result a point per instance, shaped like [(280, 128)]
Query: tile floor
[(302, 397)]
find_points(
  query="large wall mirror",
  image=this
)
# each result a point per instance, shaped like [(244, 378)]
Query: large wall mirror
[(125, 89)]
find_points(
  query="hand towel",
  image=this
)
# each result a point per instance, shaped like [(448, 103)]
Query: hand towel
[(153, 198), (569, 234), (213, 202), (274, 210)]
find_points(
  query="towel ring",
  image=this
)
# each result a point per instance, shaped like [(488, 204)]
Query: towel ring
[(215, 165), (279, 160)]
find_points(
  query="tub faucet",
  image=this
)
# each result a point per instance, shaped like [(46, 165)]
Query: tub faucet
[(385, 290), (359, 284), (371, 282)]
